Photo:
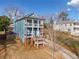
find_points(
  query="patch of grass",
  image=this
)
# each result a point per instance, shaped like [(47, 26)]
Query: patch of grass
[(69, 42), (2, 32)]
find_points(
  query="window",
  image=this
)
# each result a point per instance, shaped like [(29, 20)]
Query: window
[(29, 31), (65, 24), (35, 31), (76, 28), (35, 22), (69, 30), (70, 24), (76, 23)]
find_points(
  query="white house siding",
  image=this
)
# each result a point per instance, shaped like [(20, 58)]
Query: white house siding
[(20, 29), (67, 26), (75, 29), (60, 26)]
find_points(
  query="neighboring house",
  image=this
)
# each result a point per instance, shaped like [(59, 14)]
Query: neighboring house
[(75, 28), (63, 25), (67, 26), (29, 26)]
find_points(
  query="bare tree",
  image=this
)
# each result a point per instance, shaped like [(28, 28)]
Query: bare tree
[(63, 16), (14, 12), (51, 33)]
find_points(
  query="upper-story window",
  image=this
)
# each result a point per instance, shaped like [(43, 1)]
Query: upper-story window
[(35, 22), (29, 22), (76, 23), (70, 24)]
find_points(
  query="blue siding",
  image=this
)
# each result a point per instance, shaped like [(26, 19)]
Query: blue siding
[(20, 30), (24, 31)]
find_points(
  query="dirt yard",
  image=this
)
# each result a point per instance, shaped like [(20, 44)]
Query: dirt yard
[(17, 51)]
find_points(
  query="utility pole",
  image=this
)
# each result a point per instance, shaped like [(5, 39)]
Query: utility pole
[(53, 36), (53, 41)]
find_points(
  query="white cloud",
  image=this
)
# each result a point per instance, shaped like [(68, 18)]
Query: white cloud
[(74, 3), (68, 9)]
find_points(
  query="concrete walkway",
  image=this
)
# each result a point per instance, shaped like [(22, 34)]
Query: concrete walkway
[(65, 53)]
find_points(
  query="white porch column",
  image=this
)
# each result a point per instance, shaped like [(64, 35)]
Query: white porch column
[(32, 27), (25, 28), (38, 29)]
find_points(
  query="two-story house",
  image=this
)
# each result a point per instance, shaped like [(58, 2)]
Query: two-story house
[(63, 25), (75, 28), (29, 26), (67, 26)]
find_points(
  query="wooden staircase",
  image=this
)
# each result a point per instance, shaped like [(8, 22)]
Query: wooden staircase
[(39, 41)]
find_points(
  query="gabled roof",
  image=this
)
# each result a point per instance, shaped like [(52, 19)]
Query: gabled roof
[(65, 22), (32, 15)]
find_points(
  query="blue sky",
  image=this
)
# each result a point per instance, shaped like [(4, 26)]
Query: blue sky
[(41, 7)]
